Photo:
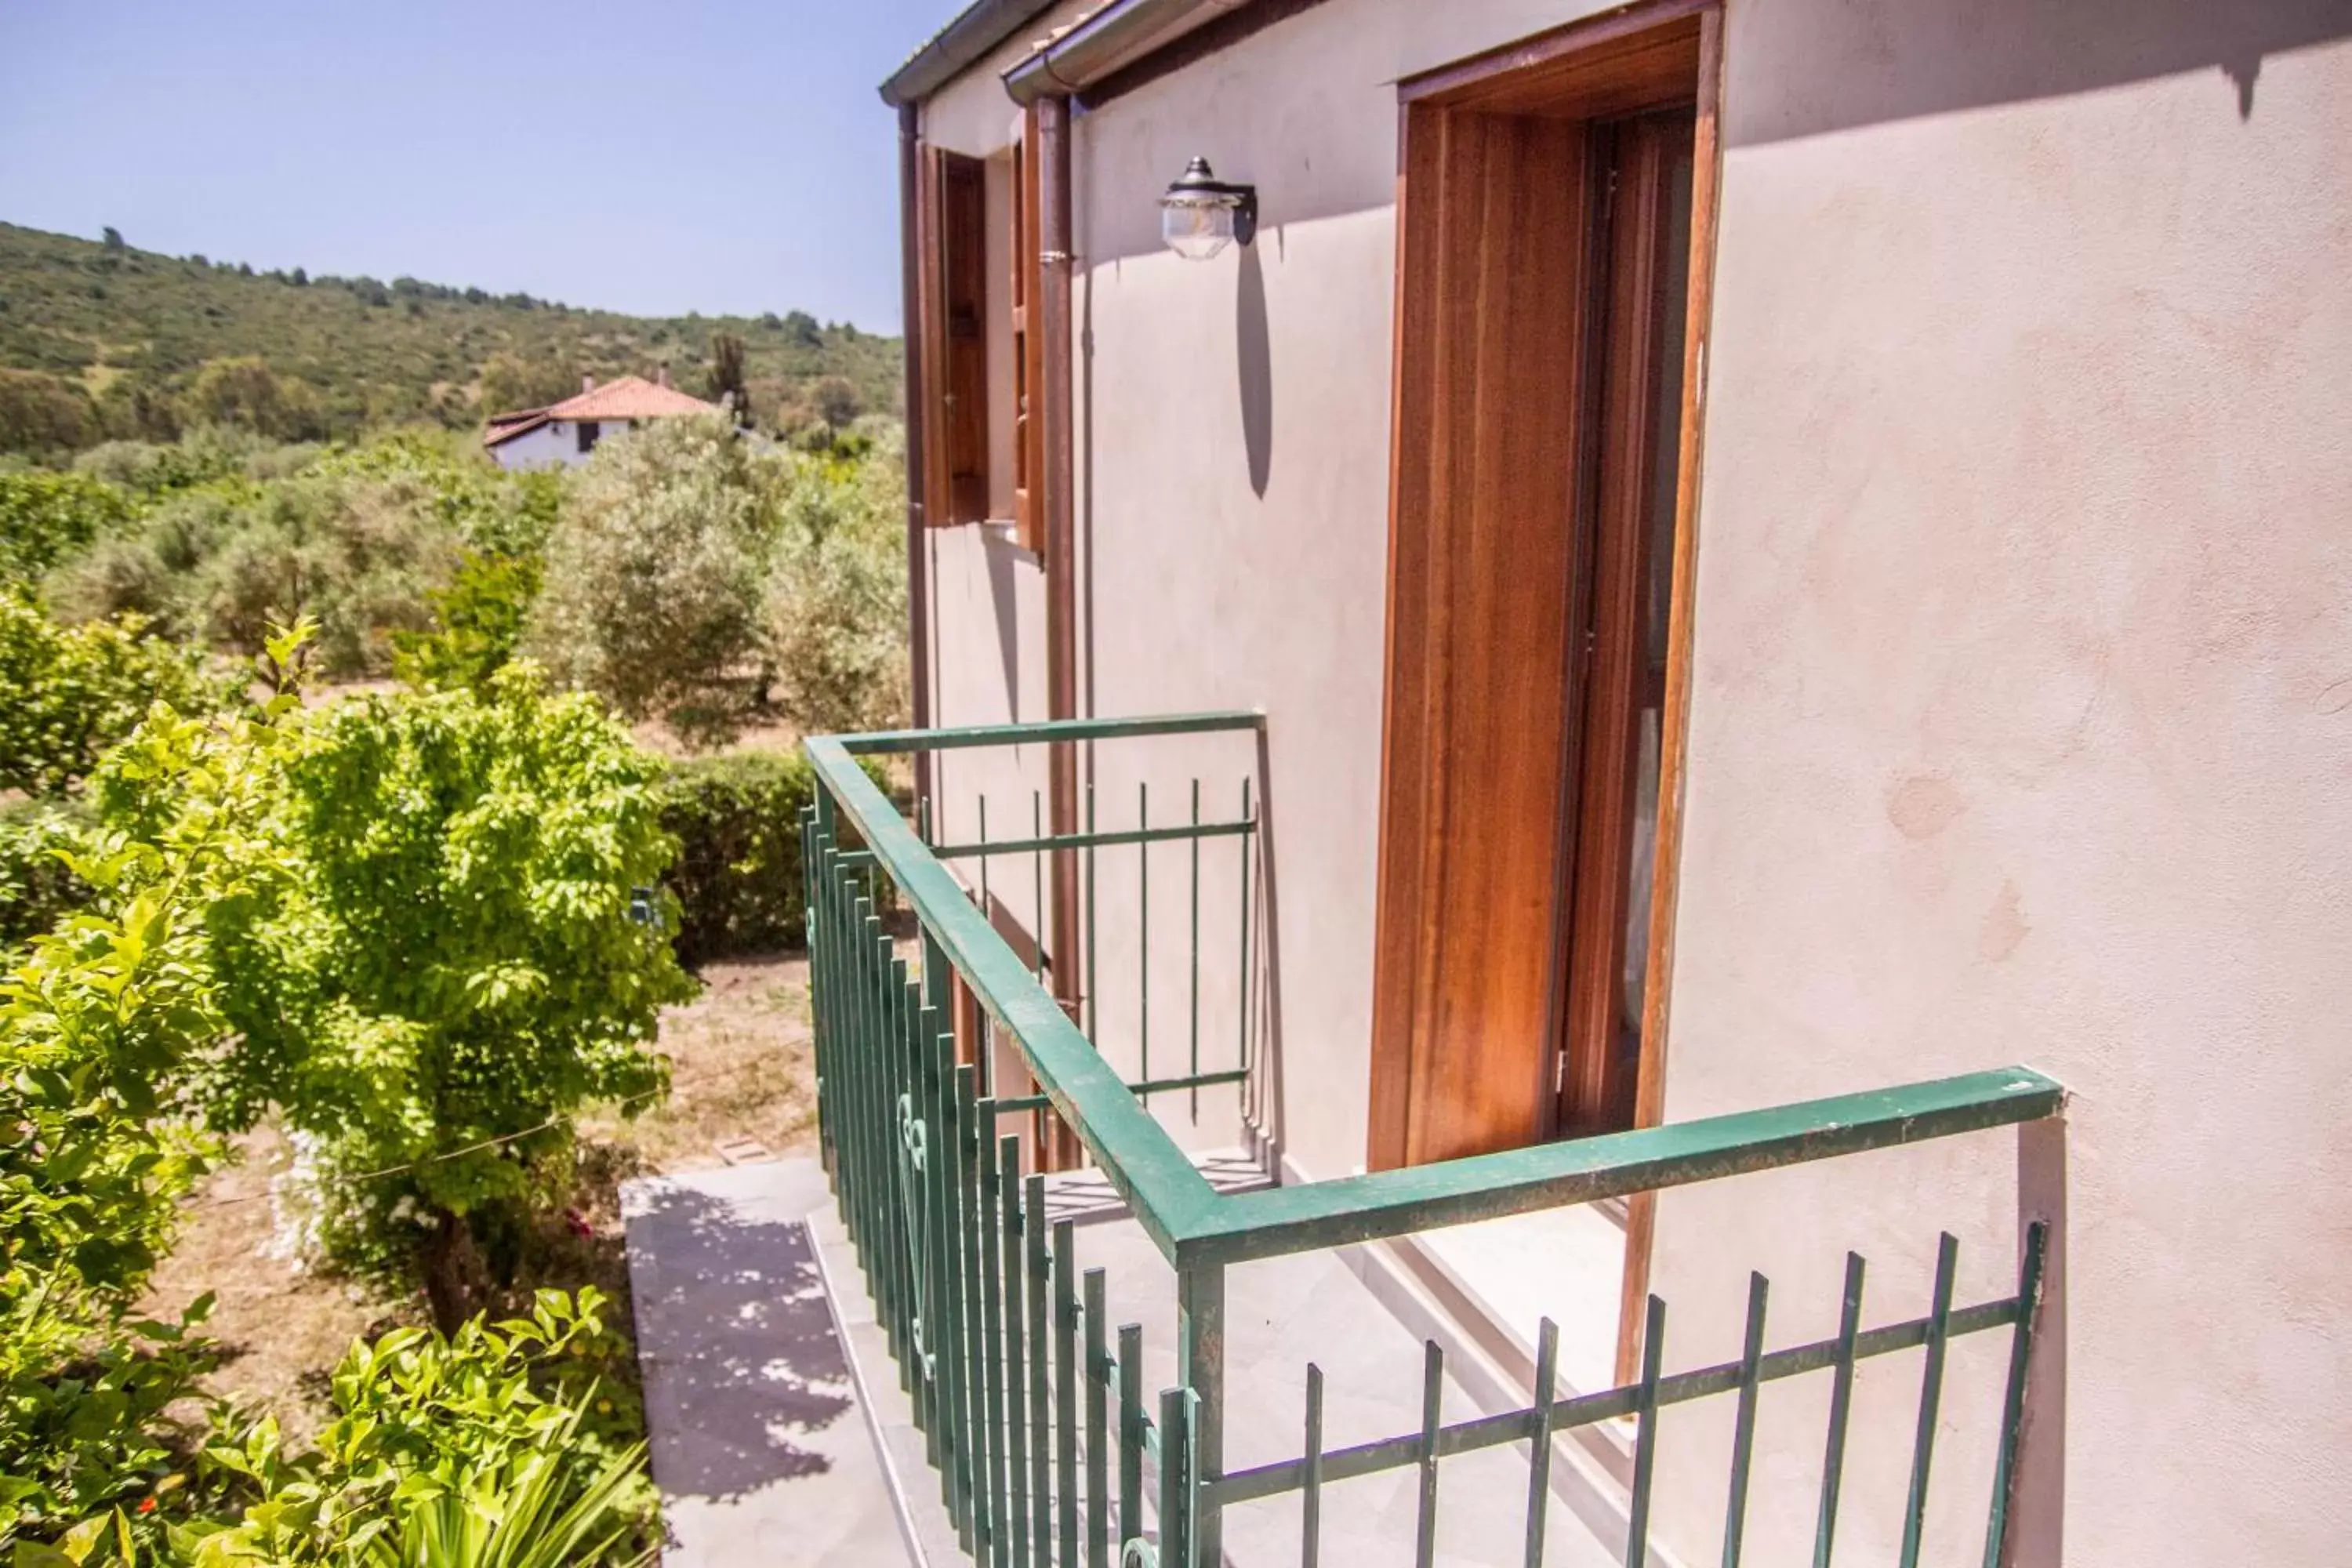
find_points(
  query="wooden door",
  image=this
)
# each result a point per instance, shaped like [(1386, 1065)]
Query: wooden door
[(1537, 387)]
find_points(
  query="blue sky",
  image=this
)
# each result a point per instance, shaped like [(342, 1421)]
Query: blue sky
[(718, 155)]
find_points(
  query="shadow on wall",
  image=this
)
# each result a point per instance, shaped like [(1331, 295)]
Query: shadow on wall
[(767, 1363), (1254, 355), (1851, 65)]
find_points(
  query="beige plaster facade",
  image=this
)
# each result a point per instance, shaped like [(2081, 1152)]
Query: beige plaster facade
[(2022, 716)]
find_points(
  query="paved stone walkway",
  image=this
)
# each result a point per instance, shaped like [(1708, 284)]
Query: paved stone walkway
[(761, 1450)]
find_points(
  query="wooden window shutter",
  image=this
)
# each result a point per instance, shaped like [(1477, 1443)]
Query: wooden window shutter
[(959, 406), (1028, 342)]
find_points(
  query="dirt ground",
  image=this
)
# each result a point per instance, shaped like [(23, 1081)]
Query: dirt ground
[(741, 1077)]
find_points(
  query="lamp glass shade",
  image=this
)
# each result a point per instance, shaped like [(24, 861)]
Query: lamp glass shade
[(1196, 225)]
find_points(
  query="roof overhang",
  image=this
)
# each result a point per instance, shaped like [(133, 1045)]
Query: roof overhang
[(958, 47)]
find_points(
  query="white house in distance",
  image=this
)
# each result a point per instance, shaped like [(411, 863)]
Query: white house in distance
[(568, 431)]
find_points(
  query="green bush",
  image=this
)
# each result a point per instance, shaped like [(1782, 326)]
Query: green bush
[(37, 885), (451, 953), (100, 1020), (654, 576), (67, 693), (738, 874), (226, 560), (477, 624), (488, 1439), (836, 602), (45, 517)]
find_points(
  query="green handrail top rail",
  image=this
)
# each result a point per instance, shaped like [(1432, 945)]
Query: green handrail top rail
[(1192, 1224)]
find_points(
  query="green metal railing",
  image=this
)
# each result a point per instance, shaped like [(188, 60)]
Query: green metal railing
[(1032, 1407)]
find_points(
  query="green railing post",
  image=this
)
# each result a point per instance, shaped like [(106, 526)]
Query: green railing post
[(1200, 1368)]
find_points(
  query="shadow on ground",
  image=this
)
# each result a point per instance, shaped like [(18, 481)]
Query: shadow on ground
[(745, 1293)]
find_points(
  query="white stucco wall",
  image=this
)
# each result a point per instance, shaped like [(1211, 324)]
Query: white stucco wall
[(2022, 726), (552, 444), (555, 442)]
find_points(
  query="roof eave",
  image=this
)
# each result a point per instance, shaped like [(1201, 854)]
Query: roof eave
[(955, 48)]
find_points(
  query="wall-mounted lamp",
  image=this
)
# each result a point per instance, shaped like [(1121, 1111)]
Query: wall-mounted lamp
[(1200, 213)]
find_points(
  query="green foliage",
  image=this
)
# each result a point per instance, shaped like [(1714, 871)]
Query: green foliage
[(67, 693), (654, 573), (725, 385), (224, 560), (371, 356), (440, 966), (243, 391), (738, 874), (837, 602), (482, 1448), (42, 413), (45, 517), (100, 1021), (37, 885), (477, 624)]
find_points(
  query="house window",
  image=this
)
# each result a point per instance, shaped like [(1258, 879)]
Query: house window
[(589, 430)]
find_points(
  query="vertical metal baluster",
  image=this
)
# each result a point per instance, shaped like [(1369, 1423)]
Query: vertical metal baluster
[(1931, 1392), (1175, 1471), (1841, 1408), (2012, 1409), (1037, 887), (809, 938), (1041, 1416), (1065, 1385), (923, 821), (1097, 1425), (1192, 1014), (1248, 841), (1093, 978), (1130, 1433), (1016, 1386), (1143, 937), (992, 1229), (985, 907), (859, 1072), (1432, 1398), (902, 1269), (1743, 1432), (1539, 1440), (953, 1261), (1310, 1489), (916, 1200), (1645, 1443)]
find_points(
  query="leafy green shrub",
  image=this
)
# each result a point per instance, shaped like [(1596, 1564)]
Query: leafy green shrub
[(37, 885), (45, 517), (444, 961), (67, 693), (478, 623), (836, 602), (654, 576), (226, 560), (100, 1020), (482, 1448), (738, 875)]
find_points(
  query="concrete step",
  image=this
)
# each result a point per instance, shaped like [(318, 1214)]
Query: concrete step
[(762, 1448)]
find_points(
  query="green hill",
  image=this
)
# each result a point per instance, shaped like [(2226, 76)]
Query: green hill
[(100, 339)]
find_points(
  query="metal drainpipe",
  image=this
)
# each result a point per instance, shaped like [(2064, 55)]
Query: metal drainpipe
[(1054, 239), (919, 641)]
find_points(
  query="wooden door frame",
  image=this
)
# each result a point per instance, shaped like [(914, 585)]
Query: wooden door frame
[(1587, 60)]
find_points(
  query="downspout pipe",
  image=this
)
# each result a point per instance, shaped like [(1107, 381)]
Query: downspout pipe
[(919, 640), (1121, 32), (1055, 240)]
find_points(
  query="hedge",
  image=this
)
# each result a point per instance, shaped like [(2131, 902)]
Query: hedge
[(738, 875)]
